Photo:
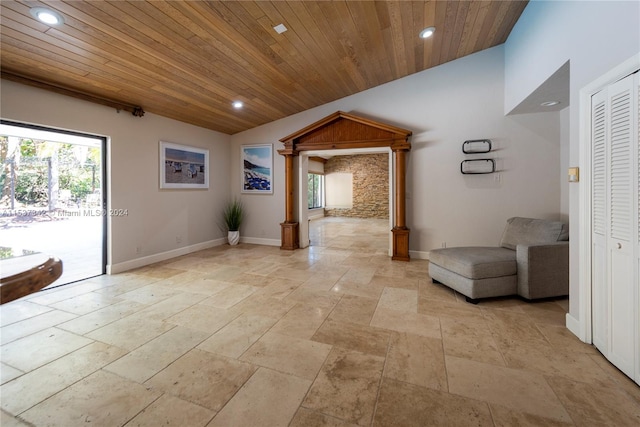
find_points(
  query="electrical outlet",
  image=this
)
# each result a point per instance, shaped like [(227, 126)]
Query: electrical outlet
[(138, 250), (444, 244), (178, 239)]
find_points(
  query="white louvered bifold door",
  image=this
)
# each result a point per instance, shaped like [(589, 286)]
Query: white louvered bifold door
[(599, 202), (615, 219)]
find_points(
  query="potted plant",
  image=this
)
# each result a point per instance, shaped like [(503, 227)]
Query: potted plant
[(232, 215)]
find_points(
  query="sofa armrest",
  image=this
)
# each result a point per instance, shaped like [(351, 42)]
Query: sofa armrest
[(543, 270)]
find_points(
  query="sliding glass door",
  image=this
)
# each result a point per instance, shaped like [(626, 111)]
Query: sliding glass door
[(53, 195)]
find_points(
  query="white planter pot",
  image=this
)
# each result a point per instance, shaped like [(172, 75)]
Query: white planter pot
[(233, 237)]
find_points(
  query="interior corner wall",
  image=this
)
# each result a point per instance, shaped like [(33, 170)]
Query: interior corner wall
[(594, 36), (443, 107), (156, 218)]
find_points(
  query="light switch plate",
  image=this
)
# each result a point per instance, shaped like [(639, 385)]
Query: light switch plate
[(574, 174)]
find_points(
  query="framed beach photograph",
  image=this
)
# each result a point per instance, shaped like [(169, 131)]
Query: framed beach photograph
[(182, 166), (257, 169)]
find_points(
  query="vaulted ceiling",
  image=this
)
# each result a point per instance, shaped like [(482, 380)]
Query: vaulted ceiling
[(189, 60)]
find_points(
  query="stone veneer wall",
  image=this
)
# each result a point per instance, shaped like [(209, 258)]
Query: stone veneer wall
[(370, 184)]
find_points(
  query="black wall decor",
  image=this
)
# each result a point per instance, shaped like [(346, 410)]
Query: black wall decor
[(474, 146), (477, 166)]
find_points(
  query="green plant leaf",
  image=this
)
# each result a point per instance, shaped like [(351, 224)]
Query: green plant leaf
[(233, 215)]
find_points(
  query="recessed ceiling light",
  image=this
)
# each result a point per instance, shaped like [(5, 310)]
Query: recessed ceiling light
[(280, 28), (237, 104), (46, 16), (427, 32), (549, 103)]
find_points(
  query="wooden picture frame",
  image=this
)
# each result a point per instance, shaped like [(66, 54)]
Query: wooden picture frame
[(183, 167)]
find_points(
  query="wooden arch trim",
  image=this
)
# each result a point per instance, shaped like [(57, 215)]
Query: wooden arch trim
[(342, 130)]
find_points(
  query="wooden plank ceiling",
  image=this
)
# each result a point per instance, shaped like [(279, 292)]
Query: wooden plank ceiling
[(188, 60)]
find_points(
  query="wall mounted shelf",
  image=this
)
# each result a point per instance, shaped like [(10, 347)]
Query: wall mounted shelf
[(474, 146), (477, 166)]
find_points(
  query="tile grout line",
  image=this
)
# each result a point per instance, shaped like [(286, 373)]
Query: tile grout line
[(312, 383), (384, 367), (143, 409), (61, 390), (558, 398)]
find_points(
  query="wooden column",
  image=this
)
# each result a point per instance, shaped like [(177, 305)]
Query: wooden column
[(289, 228), (400, 231)]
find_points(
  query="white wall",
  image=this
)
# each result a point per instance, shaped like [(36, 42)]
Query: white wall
[(155, 217), (339, 186), (594, 37), (443, 106)]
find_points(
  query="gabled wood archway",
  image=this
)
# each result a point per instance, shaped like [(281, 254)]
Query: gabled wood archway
[(345, 131)]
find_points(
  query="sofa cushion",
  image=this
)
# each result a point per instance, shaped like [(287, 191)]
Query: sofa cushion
[(476, 262), (527, 231)]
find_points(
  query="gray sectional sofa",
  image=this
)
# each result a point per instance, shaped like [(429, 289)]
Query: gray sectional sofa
[(532, 261)]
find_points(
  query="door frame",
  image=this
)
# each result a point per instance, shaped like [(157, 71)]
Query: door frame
[(583, 327), (303, 211), (103, 175)]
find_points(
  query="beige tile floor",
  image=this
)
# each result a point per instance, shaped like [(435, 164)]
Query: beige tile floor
[(333, 335)]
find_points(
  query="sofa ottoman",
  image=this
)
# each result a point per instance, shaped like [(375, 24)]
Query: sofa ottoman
[(476, 272), (532, 261)]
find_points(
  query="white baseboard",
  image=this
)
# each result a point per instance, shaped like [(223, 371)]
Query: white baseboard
[(259, 241), (141, 262), (573, 325), (419, 254)]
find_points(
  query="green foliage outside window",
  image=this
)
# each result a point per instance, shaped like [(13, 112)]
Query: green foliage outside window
[(315, 190), (77, 170)]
